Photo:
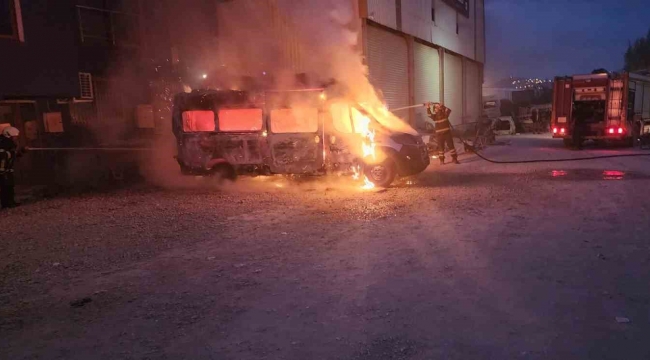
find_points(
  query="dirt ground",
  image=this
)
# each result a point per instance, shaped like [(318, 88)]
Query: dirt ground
[(475, 261)]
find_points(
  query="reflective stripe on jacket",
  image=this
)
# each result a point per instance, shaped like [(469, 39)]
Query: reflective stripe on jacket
[(441, 119), (6, 161)]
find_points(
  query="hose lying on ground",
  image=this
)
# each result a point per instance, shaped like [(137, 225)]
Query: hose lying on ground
[(474, 151), (550, 160)]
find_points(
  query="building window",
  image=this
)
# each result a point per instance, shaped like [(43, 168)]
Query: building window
[(110, 24), (11, 20)]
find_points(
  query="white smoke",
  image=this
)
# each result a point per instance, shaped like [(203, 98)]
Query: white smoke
[(285, 37)]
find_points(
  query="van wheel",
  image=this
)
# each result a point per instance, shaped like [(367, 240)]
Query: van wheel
[(381, 174), (224, 172), (568, 143)]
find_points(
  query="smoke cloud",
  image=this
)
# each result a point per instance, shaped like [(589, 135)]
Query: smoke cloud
[(285, 37), (270, 41)]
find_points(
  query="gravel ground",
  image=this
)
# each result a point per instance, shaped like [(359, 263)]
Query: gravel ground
[(477, 261)]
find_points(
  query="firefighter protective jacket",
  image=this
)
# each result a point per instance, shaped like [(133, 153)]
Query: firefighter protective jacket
[(7, 155), (441, 119)]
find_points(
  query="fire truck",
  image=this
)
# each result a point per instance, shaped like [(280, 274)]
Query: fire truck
[(606, 108)]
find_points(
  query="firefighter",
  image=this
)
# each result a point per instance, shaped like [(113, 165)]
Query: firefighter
[(8, 153), (440, 116)]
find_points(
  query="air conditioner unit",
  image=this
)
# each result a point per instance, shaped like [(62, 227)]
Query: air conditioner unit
[(86, 86)]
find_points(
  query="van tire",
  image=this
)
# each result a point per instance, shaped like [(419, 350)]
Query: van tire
[(382, 174), (223, 172), (568, 143)]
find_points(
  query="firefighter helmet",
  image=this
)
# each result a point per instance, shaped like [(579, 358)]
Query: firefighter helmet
[(10, 131)]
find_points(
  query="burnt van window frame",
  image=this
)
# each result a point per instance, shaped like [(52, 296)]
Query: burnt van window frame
[(226, 108), (274, 131)]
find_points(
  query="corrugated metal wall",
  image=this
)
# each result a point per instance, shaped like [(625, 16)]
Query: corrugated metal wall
[(480, 31), (284, 31), (387, 59), (453, 86), (110, 102), (427, 78), (472, 91), (416, 18), (242, 49), (383, 12)]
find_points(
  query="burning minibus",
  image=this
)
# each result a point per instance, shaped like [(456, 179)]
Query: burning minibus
[(227, 133)]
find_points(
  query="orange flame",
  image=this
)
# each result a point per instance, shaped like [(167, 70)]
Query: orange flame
[(367, 148), (367, 185)]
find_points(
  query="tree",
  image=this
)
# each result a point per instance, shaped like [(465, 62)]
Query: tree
[(637, 56)]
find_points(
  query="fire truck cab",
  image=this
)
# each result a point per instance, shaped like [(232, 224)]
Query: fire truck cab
[(605, 108)]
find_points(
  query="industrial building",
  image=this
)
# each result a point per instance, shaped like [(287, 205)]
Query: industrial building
[(68, 65), (94, 72), (426, 50), (415, 50)]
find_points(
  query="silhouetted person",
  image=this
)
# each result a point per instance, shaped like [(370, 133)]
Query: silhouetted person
[(8, 154)]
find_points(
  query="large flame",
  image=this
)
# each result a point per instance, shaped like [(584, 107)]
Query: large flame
[(368, 144), (368, 147)]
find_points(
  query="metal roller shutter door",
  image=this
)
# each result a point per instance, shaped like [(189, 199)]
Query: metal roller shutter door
[(388, 66), (472, 91), (453, 85), (427, 79)]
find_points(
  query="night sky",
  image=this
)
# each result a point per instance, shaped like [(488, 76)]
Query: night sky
[(545, 38)]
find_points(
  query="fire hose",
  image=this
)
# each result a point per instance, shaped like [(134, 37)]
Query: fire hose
[(481, 156), (116, 149), (465, 143)]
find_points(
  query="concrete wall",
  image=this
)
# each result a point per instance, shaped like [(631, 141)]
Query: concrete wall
[(416, 20)]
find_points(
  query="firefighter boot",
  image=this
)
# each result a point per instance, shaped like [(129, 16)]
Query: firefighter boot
[(442, 160), (455, 160)]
